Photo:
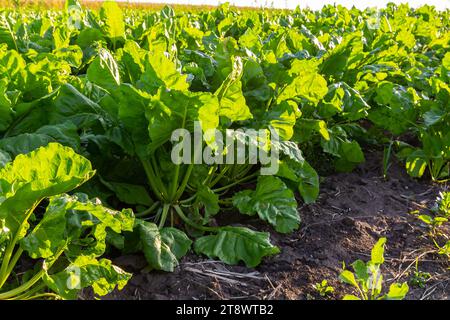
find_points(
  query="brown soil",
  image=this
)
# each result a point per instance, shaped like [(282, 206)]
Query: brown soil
[(353, 211)]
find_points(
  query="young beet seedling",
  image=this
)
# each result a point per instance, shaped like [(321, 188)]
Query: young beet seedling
[(441, 215), (419, 278), (323, 289), (368, 280)]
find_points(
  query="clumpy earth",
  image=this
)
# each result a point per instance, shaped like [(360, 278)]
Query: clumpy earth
[(353, 211)]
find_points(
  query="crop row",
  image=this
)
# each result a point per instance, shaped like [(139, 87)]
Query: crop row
[(89, 100)]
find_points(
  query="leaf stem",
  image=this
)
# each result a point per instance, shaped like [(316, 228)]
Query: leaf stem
[(152, 180), (236, 182), (10, 248), (27, 285), (184, 183), (219, 176), (166, 208), (191, 223), (148, 211)]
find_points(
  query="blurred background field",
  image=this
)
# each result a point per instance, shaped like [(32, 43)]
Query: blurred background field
[(209, 4), (59, 4)]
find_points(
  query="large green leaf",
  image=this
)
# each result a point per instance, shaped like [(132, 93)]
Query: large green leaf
[(31, 177), (160, 71), (231, 98), (87, 271), (343, 99), (66, 134), (396, 111), (306, 83), (114, 26), (104, 71), (273, 201), (7, 34), (162, 248), (304, 175), (281, 117), (65, 221), (132, 107), (234, 244), (169, 110)]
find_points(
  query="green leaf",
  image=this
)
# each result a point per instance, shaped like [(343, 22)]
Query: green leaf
[(360, 270), (426, 218), (162, 249), (396, 110), (305, 128), (132, 59), (445, 249), (336, 61), (104, 71), (87, 271), (6, 113), (350, 155), (287, 148), (65, 134), (231, 98), (434, 116), (350, 297), (130, 193), (377, 254), (352, 152), (254, 82), (397, 291), (348, 277), (375, 281), (170, 109), (234, 244), (64, 222), (45, 172), (5, 234), (416, 163), (272, 201), (7, 34), (72, 54), (132, 107), (24, 143), (344, 100), (306, 83), (304, 175), (282, 118), (177, 240), (446, 61), (209, 200), (71, 3), (4, 158), (114, 26), (88, 36), (160, 71)]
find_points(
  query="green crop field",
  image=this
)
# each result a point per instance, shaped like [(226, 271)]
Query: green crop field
[(91, 95)]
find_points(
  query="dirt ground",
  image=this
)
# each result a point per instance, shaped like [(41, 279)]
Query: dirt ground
[(353, 211)]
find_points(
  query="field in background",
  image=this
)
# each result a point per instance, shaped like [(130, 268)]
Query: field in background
[(59, 4)]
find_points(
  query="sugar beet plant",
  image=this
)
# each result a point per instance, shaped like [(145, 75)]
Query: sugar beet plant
[(367, 278), (63, 234), (115, 85)]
